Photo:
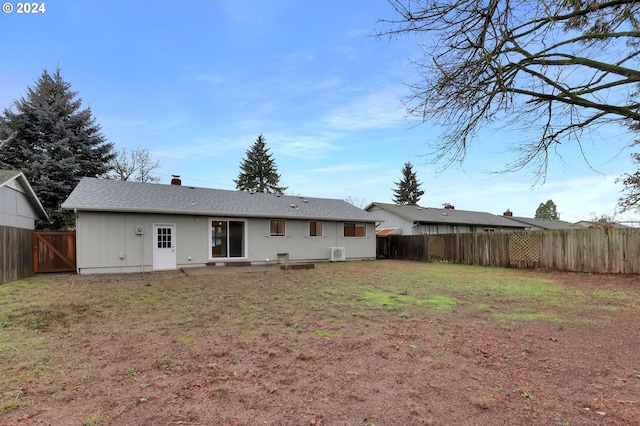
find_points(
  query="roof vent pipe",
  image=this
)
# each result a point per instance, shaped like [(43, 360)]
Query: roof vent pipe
[(175, 180)]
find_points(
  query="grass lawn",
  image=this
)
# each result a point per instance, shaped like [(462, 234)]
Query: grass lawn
[(355, 343)]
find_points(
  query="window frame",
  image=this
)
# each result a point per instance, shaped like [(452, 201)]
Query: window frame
[(356, 226), (227, 238), (315, 234), (278, 233)]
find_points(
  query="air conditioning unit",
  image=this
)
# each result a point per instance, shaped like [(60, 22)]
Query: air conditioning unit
[(338, 254)]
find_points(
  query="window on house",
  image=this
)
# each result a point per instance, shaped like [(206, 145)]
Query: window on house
[(164, 238), (227, 238), (276, 228), (489, 230), (315, 229), (355, 229)]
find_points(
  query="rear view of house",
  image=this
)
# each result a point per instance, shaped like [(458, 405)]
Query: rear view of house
[(130, 227)]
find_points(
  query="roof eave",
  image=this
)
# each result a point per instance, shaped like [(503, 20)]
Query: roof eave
[(384, 207), (32, 197), (213, 213)]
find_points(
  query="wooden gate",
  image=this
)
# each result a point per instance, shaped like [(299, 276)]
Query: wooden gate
[(54, 251)]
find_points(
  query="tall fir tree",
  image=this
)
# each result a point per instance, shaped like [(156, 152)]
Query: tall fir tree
[(258, 171), (548, 211), (54, 142), (408, 190)]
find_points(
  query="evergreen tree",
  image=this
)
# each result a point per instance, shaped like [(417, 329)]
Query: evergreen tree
[(54, 143), (547, 210), (408, 191), (258, 172)]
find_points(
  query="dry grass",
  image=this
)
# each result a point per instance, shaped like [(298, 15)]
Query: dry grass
[(336, 343)]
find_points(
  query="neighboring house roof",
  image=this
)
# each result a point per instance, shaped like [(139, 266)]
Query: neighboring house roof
[(591, 224), (8, 176), (387, 231), (428, 215), (545, 224), (123, 196)]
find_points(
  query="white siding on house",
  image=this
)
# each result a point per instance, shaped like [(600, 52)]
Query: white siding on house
[(391, 220), (103, 238), (301, 247), (446, 229), (15, 209)]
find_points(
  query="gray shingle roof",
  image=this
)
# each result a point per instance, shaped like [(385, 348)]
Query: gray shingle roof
[(450, 216), (123, 196), (546, 223)]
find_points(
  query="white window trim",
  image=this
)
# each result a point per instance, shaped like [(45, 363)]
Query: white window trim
[(309, 229), (244, 235), (277, 236), (356, 223)]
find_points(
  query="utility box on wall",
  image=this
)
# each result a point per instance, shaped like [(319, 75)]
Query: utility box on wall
[(139, 230)]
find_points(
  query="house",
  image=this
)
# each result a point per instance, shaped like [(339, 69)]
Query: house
[(126, 226), (534, 224), (19, 211), (19, 205), (601, 224), (416, 220)]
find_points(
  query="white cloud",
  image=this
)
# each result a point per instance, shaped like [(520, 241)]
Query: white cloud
[(306, 147), (343, 168), (378, 109)]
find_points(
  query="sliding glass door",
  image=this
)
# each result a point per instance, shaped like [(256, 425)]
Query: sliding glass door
[(227, 238)]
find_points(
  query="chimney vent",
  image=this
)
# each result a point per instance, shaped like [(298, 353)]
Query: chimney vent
[(448, 206), (508, 213), (175, 180)]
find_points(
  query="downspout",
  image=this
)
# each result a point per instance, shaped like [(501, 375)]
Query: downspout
[(142, 248), (75, 213), (413, 227)]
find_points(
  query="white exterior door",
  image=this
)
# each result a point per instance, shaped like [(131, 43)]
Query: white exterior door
[(164, 249)]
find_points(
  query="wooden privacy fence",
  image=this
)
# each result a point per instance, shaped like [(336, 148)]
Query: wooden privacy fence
[(15, 254), (54, 251), (614, 251)]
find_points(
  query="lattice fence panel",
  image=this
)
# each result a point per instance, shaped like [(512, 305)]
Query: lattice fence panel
[(436, 247), (524, 247)]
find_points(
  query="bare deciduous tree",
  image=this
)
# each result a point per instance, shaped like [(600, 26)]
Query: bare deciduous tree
[(559, 66), (630, 199), (360, 203), (136, 165)]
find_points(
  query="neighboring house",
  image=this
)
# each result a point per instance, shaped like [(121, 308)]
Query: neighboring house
[(534, 224), (416, 220), (19, 205), (596, 224), (126, 226), (19, 211)]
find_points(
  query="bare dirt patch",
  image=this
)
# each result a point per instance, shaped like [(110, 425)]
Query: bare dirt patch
[(357, 343)]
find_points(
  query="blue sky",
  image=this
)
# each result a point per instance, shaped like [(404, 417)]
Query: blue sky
[(196, 82)]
